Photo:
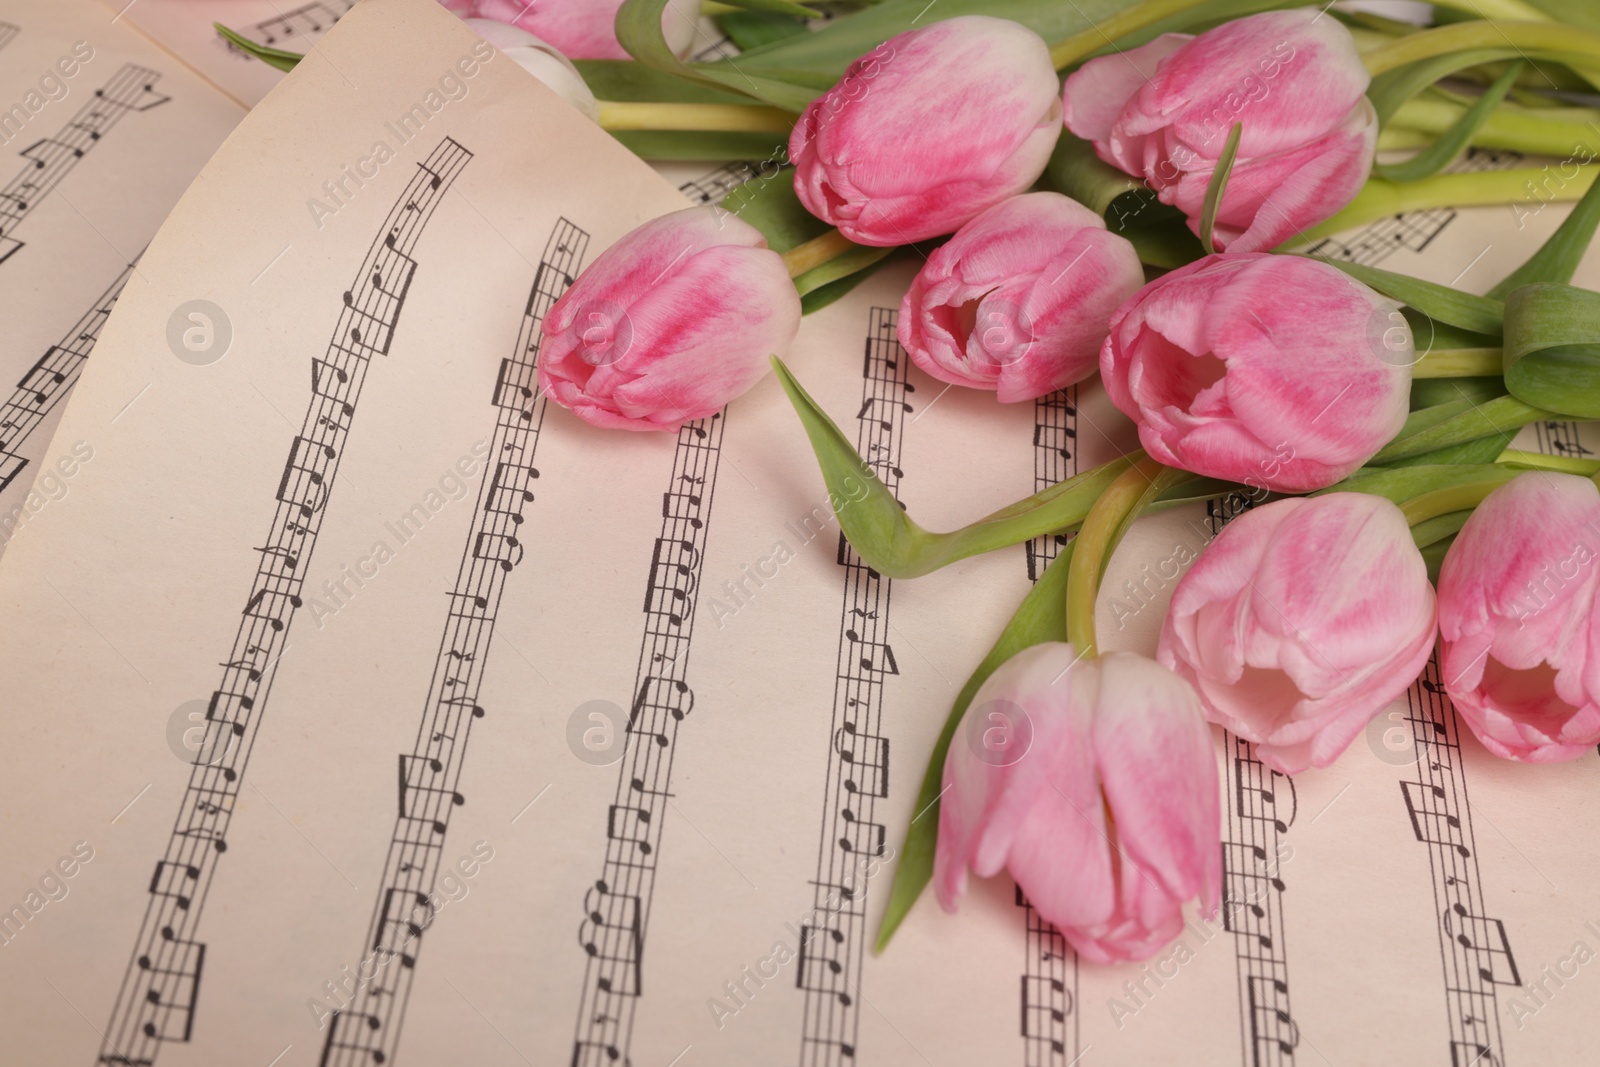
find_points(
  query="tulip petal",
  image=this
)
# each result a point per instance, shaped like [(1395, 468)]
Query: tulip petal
[(1156, 733), (1096, 92)]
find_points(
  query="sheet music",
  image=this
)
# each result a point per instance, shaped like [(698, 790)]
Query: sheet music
[(185, 28), (106, 134), (328, 560)]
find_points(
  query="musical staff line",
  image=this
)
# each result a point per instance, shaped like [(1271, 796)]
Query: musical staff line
[(1261, 806), (50, 379), (430, 775), (711, 187), (51, 159), (1414, 230), (1050, 968), (159, 991), (1473, 950), (1560, 439), (297, 24), (832, 950), (616, 906)]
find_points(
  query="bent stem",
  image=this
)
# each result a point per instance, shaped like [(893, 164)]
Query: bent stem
[(1103, 529), (1574, 46), (1538, 461)]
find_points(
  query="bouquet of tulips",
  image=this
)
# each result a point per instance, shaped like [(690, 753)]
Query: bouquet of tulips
[(1137, 218)]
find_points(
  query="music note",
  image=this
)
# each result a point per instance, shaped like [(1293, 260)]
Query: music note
[(610, 935)]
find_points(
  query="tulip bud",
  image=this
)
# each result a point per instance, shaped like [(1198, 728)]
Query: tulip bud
[(1095, 783), (1276, 371), (1293, 79), (1519, 633), (1300, 622), (581, 29), (1017, 301), (540, 59), (927, 130), (669, 324)]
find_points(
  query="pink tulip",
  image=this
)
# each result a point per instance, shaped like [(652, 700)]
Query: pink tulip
[(1095, 783), (1017, 300), (927, 130), (1276, 371), (1301, 621), (1293, 79), (581, 29), (1518, 622), (669, 324)]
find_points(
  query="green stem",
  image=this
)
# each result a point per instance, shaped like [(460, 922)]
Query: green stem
[(1108, 520), (1381, 198), (1495, 9), (1502, 416), (1538, 461), (815, 252), (1463, 497), (722, 118), (1575, 46), (1557, 132), (1086, 42), (1459, 363)]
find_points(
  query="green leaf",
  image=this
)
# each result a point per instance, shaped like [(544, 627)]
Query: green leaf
[(1557, 259), (1450, 306), (752, 29), (775, 7), (1431, 392), (1433, 555), (769, 203), (1196, 18), (824, 295), (1042, 617), (1454, 141), (1573, 12), (1482, 450), (705, 145), (1431, 335), (625, 79), (273, 57), (1499, 418), (1393, 88), (1217, 187), (854, 261), (831, 49), (638, 28), (1401, 484), (1432, 531), (884, 534), (1552, 350), (1074, 170)]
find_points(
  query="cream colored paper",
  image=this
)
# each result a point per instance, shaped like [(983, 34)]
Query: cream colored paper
[(88, 179), (710, 561), (186, 29)]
